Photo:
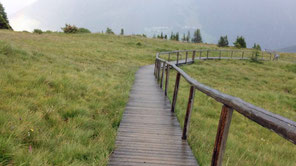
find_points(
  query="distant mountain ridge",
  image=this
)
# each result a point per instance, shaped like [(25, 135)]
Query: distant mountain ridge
[(291, 49)]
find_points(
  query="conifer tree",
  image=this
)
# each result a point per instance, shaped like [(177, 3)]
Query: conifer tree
[(188, 37), (223, 42), (240, 42), (122, 31), (197, 37), (4, 23)]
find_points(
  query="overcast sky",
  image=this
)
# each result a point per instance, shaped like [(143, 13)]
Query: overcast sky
[(271, 23)]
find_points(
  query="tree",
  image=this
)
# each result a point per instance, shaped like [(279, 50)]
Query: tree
[(165, 37), (4, 23), (257, 47), (188, 37), (161, 35), (197, 37), (184, 37), (172, 37), (240, 42), (177, 36), (109, 31), (223, 42), (122, 31)]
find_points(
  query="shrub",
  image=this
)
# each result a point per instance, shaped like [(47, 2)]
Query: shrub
[(83, 30), (70, 29), (109, 31), (38, 31)]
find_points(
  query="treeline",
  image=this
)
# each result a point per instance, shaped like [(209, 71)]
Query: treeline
[(185, 38), (240, 42)]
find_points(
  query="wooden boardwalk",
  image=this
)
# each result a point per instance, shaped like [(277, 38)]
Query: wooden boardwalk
[(149, 134)]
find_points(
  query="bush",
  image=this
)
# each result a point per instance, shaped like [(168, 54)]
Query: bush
[(70, 29), (83, 30), (109, 31), (38, 31), (240, 42)]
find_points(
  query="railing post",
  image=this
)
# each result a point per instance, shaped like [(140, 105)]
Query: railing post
[(188, 113), (176, 92), (178, 58), (231, 54), (162, 74), (220, 54), (221, 137), (243, 55), (155, 67), (207, 54), (158, 71), (200, 54), (193, 56), (186, 57), (167, 80), (169, 57)]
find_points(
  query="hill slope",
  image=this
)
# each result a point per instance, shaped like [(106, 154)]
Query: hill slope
[(62, 96)]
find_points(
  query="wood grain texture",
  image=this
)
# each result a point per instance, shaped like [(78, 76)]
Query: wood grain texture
[(149, 133)]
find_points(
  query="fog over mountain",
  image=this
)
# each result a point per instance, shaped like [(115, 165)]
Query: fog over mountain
[(271, 23)]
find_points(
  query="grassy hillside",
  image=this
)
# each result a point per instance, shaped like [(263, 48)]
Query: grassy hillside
[(270, 85), (62, 96)]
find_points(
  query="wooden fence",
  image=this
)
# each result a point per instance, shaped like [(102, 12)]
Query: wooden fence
[(166, 61)]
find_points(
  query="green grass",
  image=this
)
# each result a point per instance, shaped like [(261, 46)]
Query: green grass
[(270, 85), (63, 95)]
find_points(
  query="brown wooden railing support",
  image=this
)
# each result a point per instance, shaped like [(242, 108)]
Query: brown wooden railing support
[(188, 113), (162, 74), (155, 67), (176, 91), (200, 54), (186, 57), (178, 54), (220, 54), (193, 56), (167, 80), (158, 71), (169, 57), (207, 54), (221, 137)]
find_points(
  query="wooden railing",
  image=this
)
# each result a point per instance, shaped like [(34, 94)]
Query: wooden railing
[(276, 123)]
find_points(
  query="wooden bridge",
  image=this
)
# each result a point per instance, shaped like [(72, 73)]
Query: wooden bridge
[(150, 134)]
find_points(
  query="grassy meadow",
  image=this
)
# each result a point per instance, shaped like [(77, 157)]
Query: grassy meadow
[(62, 96), (269, 85)]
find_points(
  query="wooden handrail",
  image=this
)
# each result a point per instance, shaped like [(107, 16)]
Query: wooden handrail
[(276, 123)]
